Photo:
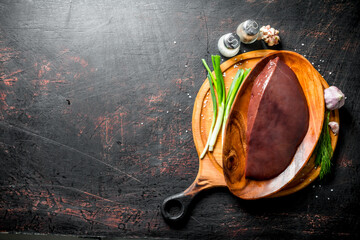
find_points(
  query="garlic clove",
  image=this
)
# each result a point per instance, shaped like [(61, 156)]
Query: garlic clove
[(334, 126), (334, 98)]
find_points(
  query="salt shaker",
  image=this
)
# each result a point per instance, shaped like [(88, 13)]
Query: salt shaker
[(229, 44), (248, 31)]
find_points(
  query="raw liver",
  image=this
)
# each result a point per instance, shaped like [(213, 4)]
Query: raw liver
[(278, 119)]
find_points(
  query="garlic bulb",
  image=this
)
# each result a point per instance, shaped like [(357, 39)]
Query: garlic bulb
[(334, 126), (334, 98)]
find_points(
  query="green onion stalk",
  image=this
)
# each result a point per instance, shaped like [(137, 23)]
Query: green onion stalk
[(220, 90), (221, 104), (214, 118), (234, 88)]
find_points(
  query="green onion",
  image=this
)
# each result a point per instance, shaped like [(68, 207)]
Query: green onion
[(234, 88), (323, 148), (214, 118), (221, 103), (220, 90)]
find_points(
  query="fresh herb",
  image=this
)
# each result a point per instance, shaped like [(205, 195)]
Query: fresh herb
[(323, 148), (234, 88), (214, 118), (221, 103), (219, 85)]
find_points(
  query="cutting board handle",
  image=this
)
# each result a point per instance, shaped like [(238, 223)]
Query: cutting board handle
[(205, 179), (179, 201)]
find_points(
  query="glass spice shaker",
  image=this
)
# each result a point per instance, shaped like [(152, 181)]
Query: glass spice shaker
[(248, 31), (229, 44)]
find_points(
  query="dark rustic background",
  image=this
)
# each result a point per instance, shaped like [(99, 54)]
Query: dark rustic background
[(95, 117)]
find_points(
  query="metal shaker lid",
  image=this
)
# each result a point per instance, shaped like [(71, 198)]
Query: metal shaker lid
[(250, 27), (231, 40)]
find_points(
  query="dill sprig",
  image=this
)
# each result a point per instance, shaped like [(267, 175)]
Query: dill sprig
[(323, 148)]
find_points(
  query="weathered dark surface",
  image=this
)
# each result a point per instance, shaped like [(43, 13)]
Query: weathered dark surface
[(95, 117)]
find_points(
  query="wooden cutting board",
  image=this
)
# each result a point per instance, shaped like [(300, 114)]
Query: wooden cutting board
[(210, 172), (235, 144)]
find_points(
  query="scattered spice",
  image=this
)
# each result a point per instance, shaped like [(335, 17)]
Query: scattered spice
[(269, 35)]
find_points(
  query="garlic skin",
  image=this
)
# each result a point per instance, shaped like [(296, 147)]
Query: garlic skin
[(269, 35), (334, 126), (334, 98)]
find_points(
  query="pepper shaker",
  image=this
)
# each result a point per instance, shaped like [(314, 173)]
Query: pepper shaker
[(248, 31)]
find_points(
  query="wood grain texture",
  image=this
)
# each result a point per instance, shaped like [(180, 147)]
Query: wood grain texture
[(92, 138)]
